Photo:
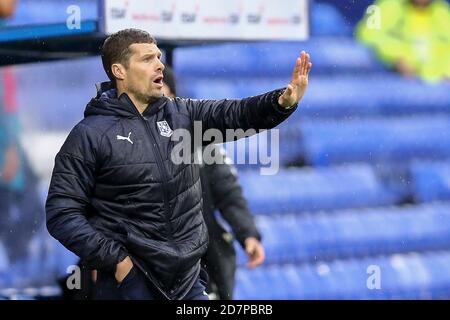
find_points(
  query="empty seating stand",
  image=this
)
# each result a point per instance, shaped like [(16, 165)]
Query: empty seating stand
[(273, 58), (398, 276), (431, 181), (36, 275), (346, 80), (307, 189), (332, 96), (324, 227), (376, 140), (353, 233)]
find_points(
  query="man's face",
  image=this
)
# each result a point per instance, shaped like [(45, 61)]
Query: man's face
[(144, 77)]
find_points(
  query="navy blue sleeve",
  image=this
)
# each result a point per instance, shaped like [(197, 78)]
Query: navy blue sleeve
[(228, 197), (258, 112)]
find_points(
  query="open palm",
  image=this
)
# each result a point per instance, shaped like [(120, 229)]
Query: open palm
[(299, 82)]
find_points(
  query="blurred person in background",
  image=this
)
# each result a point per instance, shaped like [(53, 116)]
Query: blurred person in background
[(21, 209), (221, 190), (7, 8), (410, 36)]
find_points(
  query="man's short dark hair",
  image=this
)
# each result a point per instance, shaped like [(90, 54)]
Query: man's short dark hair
[(116, 48)]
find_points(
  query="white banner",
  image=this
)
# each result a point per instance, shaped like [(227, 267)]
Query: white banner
[(210, 19)]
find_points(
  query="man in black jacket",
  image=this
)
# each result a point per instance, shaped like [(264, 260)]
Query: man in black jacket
[(117, 198), (221, 190)]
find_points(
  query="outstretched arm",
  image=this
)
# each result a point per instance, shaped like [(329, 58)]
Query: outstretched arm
[(260, 112)]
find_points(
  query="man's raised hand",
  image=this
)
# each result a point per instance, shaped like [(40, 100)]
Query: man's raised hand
[(299, 82)]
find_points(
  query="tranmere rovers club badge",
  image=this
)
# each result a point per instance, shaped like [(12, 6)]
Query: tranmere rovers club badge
[(164, 128)]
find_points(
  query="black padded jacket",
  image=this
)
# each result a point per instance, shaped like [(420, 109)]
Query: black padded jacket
[(115, 190)]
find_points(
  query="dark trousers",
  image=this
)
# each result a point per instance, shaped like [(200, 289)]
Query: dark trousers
[(220, 264), (136, 286)]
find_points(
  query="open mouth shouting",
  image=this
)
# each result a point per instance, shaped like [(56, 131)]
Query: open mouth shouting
[(159, 81)]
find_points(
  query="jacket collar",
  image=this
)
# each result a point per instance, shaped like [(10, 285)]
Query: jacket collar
[(107, 88)]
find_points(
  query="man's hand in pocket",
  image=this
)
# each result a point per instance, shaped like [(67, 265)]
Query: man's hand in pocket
[(123, 269)]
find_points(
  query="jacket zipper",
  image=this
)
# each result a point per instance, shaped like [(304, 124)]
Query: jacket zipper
[(160, 163), (138, 265)]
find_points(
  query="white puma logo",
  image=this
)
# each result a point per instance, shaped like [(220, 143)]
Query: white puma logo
[(125, 138)]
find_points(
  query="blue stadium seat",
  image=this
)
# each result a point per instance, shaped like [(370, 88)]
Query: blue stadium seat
[(401, 276), (331, 96), (48, 11), (315, 189), (248, 287), (269, 283), (353, 233), (362, 95), (376, 140), (431, 181), (67, 103), (439, 280), (397, 96), (352, 10), (329, 54), (326, 20), (4, 264), (37, 273)]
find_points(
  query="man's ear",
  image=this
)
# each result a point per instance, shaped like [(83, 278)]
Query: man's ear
[(118, 70)]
